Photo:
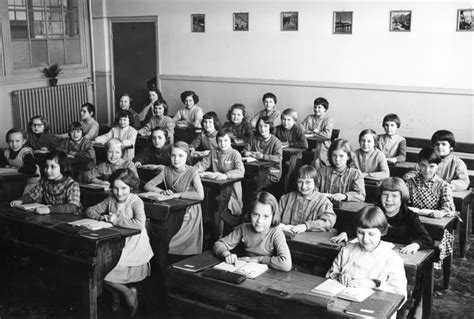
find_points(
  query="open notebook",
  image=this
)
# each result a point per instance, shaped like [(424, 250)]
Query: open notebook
[(333, 288), (155, 196), (249, 269), (91, 224), (31, 207)]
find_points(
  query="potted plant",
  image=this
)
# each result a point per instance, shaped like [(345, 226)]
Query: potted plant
[(52, 72)]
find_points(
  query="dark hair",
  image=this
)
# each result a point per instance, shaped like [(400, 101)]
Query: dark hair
[(43, 120), (114, 141), (90, 107), (160, 97), (122, 114), (127, 95), (223, 132), (443, 135), (237, 106), (127, 176), (162, 102), (185, 94), (321, 101), (165, 132), (291, 113), (211, 116), (266, 120), (75, 126), (391, 117), (345, 146), (394, 184), (429, 154), (371, 217), (62, 160), (371, 132), (267, 199), (15, 130), (307, 172), (269, 95)]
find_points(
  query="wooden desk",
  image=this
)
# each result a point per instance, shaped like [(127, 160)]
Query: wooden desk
[(274, 294), (12, 185), (91, 196), (70, 257), (371, 185), (254, 180), (316, 249), (216, 199), (166, 218), (186, 133), (400, 169), (290, 162), (462, 201), (239, 146)]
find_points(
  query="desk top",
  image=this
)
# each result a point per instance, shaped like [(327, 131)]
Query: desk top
[(322, 239), (160, 210), (274, 293), (219, 182), (51, 222)]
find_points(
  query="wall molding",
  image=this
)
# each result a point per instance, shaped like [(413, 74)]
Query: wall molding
[(332, 85)]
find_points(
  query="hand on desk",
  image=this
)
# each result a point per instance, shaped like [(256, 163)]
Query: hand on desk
[(43, 211), (338, 197), (342, 237), (410, 249), (392, 161), (250, 259), (15, 203), (285, 144), (169, 192), (361, 283), (231, 258), (301, 228)]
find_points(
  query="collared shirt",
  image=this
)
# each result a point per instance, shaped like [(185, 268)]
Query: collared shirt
[(315, 211), (348, 181), (274, 115), (454, 171), (434, 194), (382, 264)]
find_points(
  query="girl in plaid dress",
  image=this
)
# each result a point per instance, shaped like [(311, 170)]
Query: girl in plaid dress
[(57, 190)]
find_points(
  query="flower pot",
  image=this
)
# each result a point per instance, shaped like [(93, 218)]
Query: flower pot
[(53, 82)]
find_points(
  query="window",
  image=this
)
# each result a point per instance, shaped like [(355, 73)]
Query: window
[(44, 32)]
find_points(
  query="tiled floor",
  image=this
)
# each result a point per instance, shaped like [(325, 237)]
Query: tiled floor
[(27, 297)]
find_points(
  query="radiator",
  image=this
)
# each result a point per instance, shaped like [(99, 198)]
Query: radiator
[(60, 105)]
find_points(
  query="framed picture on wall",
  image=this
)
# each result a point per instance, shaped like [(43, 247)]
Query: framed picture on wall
[(241, 21), (289, 21), (198, 23), (464, 22), (342, 22), (400, 20)]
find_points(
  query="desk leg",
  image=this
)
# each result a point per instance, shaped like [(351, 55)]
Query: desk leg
[(428, 288), (91, 293), (464, 227)]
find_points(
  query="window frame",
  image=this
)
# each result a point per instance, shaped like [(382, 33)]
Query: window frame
[(34, 73)]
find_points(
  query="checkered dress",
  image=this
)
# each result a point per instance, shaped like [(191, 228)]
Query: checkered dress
[(434, 194)]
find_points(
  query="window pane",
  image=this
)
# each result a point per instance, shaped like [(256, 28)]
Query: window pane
[(18, 25), (37, 4), (73, 51), (39, 52), (21, 54), (37, 24), (71, 4), (56, 51), (72, 24)]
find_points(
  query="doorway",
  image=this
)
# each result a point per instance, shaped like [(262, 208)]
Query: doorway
[(134, 45)]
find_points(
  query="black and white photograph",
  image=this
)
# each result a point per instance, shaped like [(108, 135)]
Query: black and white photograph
[(465, 20), (241, 21), (198, 23), (400, 20), (342, 22), (289, 21), (218, 159)]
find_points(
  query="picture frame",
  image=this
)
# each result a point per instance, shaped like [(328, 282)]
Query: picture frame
[(342, 22), (198, 22), (400, 20), (465, 20), (240, 21), (289, 21)]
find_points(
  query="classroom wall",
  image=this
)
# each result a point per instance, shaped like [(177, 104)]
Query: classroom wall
[(424, 75)]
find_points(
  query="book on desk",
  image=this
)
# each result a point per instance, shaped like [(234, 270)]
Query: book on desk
[(333, 288), (247, 268)]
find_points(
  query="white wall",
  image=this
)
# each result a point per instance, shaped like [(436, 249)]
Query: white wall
[(425, 75)]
